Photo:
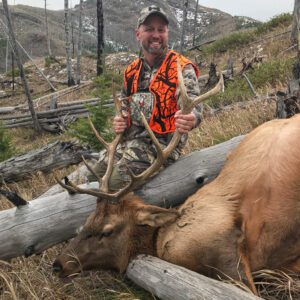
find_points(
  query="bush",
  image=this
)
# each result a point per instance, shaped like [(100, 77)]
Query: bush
[(100, 116), (243, 38), (232, 41), (277, 21), (49, 61), (270, 73), (103, 84), (7, 150)]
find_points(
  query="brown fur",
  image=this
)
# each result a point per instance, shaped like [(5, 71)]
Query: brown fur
[(251, 211)]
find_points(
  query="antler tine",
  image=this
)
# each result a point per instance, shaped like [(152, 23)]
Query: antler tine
[(187, 105), (72, 188), (110, 147), (186, 102)]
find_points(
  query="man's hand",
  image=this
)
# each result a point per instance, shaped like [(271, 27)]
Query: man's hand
[(184, 123), (119, 124)]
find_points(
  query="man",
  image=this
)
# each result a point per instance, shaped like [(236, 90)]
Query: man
[(150, 86)]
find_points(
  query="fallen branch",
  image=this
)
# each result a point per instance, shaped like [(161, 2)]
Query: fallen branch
[(53, 156), (172, 282)]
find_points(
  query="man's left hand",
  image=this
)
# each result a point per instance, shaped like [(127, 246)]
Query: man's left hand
[(184, 123)]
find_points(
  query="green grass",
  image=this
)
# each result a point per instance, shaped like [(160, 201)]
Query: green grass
[(270, 73), (7, 149), (243, 38)]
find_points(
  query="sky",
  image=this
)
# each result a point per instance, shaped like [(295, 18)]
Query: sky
[(262, 10)]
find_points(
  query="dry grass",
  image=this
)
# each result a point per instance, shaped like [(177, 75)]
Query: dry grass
[(224, 126), (32, 278)]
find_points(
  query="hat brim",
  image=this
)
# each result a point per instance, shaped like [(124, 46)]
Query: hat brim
[(151, 14)]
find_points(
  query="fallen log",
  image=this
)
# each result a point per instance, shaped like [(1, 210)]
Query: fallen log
[(171, 282), (47, 221), (56, 155)]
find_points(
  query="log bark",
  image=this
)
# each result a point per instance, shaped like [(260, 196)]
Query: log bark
[(172, 282), (49, 220), (53, 156)]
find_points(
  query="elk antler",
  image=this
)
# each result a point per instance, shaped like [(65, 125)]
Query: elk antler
[(162, 154), (187, 104)]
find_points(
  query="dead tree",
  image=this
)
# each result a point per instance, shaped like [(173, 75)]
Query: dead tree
[(195, 22), (184, 24), (296, 22), (68, 42), (100, 37), (79, 44), (47, 31), (15, 49)]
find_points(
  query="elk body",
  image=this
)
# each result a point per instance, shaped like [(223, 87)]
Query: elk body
[(247, 219)]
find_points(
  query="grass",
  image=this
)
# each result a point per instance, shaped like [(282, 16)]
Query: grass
[(243, 38), (262, 77)]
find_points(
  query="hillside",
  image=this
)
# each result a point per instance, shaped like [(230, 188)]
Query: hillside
[(31, 278), (119, 25)]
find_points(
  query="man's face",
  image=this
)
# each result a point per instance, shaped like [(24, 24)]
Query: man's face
[(153, 35)]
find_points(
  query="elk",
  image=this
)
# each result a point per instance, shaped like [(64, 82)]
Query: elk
[(247, 219)]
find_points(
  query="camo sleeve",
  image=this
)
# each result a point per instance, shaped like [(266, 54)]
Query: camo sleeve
[(193, 90)]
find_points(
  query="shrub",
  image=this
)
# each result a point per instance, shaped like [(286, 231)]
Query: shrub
[(232, 41), (49, 61), (270, 73), (100, 116), (6, 147), (277, 21), (243, 38)]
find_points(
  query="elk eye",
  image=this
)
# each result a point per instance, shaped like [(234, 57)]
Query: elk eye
[(89, 236), (107, 233)]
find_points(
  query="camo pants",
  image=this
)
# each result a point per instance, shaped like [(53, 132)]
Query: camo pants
[(136, 154)]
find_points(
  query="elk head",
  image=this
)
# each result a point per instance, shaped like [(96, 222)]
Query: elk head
[(122, 225)]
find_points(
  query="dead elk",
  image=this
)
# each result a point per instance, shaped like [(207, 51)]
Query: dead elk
[(245, 220)]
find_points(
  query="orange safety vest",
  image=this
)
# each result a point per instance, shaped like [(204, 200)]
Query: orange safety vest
[(163, 87)]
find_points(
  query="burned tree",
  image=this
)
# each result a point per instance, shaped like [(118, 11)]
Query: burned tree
[(68, 42), (15, 49), (100, 37)]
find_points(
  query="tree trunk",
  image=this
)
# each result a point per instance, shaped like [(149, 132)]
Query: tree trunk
[(184, 24), (30, 58), (171, 282), (49, 220), (296, 22), (12, 37), (68, 44), (79, 44), (56, 155), (100, 37), (195, 22), (47, 31)]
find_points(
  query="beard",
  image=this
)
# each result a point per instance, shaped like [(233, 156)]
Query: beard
[(153, 50)]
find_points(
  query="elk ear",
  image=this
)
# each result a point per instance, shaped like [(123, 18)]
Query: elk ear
[(155, 216)]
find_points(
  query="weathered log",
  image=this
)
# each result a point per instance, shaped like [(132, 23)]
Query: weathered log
[(171, 282), (53, 156), (49, 220)]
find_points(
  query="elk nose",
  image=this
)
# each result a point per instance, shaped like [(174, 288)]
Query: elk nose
[(57, 267)]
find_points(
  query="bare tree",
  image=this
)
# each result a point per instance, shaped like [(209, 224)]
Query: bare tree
[(68, 54), (100, 37), (184, 24), (195, 22), (79, 44), (296, 21), (47, 31), (15, 49)]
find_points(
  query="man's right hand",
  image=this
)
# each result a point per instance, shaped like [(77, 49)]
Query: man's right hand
[(119, 124)]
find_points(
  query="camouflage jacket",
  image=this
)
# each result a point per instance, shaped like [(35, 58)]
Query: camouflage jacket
[(143, 100)]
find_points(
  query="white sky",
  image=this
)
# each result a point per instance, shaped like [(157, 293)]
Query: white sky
[(261, 10)]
